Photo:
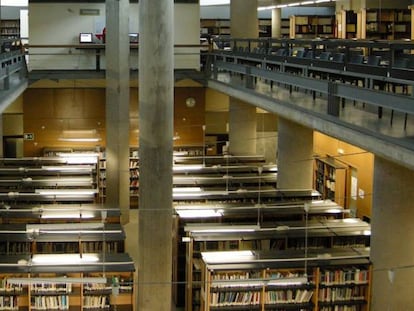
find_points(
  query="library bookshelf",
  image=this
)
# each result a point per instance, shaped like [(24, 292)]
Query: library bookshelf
[(286, 281), (330, 179), (283, 235), (56, 240)]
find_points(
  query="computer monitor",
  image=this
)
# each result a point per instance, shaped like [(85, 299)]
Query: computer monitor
[(133, 38), (85, 37)]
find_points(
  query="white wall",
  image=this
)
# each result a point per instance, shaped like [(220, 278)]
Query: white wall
[(61, 23)]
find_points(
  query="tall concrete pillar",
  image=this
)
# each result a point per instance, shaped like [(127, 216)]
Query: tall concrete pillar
[(156, 104), (276, 20), (295, 151), (117, 106), (242, 117), (392, 236), (244, 21), (242, 128)]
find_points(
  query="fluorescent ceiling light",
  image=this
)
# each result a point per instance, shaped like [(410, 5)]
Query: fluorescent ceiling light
[(63, 259), (288, 281), (80, 139), (14, 2), (66, 191), (56, 280), (223, 229), (187, 189), (227, 256), (214, 2), (66, 214), (67, 168), (199, 213), (190, 167)]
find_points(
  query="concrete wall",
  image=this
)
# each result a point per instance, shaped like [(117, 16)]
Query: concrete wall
[(68, 23)]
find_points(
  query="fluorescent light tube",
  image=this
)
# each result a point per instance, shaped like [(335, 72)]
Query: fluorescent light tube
[(66, 191), (227, 256), (288, 281), (198, 213), (56, 280), (63, 259), (190, 167)]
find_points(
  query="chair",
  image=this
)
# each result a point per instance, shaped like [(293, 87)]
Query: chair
[(338, 57), (374, 60), (325, 55), (356, 59)]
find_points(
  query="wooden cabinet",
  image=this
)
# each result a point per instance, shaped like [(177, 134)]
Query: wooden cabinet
[(330, 179)]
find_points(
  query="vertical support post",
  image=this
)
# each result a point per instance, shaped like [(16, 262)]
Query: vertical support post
[(156, 106)]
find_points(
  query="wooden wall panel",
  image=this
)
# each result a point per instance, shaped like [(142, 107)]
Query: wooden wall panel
[(189, 121), (50, 113)]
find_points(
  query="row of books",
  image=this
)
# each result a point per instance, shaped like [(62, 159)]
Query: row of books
[(340, 308), (288, 296), (7, 287), (230, 298), (96, 247), (50, 302), (344, 276), (51, 287), (8, 303), (333, 294), (236, 276), (94, 302)]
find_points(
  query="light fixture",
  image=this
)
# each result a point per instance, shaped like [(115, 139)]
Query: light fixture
[(198, 213), (66, 168), (63, 259), (288, 281), (186, 189), (65, 215), (56, 280), (66, 191), (227, 256), (79, 136), (79, 157), (189, 167), (190, 102), (221, 228)]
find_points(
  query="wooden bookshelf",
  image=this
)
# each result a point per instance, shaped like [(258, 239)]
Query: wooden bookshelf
[(312, 26), (388, 24), (10, 28), (275, 283), (330, 179), (287, 236), (58, 239)]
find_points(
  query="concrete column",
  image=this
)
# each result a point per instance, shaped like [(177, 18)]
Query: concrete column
[(156, 104), (244, 21), (1, 133), (392, 236), (276, 20), (117, 106), (242, 128), (295, 151)]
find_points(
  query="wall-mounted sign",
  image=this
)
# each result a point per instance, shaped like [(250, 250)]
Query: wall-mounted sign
[(94, 12), (28, 136)]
